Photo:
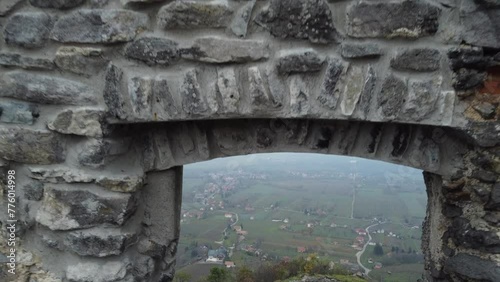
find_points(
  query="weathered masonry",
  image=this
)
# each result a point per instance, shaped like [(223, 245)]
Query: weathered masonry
[(103, 101)]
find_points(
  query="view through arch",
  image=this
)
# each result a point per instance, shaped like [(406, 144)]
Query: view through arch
[(265, 210)]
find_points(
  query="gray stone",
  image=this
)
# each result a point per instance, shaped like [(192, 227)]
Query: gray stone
[(417, 59), (299, 97), (468, 79), (293, 61), (113, 92), (358, 50), (481, 27), (29, 30), (80, 60), (153, 50), (259, 93), (151, 248), (494, 202), (484, 175), (302, 19), (392, 96), (75, 209), (356, 82), (195, 14), (485, 109), (473, 267), (239, 25), (45, 89), (33, 191), (31, 147), (114, 182), (21, 113), (151, 98), (85, 122), (98, 3), (96, 152), (109, 271), (126, 2), (466, 236), (193, 101), (98, 243), (222, 50), (227, 86), (25, 62), (422, 98), (99, 26), (466, 56), (7, 5), (407, 19), (56, 4), (329, 93), (143, 267)]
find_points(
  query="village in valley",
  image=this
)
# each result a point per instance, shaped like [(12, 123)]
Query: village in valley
[(250, 214)]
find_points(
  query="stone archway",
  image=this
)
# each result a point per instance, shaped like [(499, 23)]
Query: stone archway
[(102, 102)]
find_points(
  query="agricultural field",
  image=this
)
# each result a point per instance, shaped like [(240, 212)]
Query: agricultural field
[(295, 205)]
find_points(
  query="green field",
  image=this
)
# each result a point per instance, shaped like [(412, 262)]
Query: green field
[(320, 195)]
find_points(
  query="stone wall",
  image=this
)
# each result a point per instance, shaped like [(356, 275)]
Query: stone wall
[(103, 101)]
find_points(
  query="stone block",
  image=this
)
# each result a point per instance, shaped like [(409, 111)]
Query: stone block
[(7, 5), (296, 61), (330, 93), (195, 14), (392, 96), (221, 50), (102, 242), (28, 29), (25, 62), (31, 146), (301, 19), (99, 26), (153, 51), (20, 113), (358, 51), (45, 89), (406, 19), (56, 4), (86, 61), (416, 59), (84, 122), (97, 272), (63, 209), (239, 24)]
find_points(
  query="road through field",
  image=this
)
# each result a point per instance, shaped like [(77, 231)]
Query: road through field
[(360, 253)]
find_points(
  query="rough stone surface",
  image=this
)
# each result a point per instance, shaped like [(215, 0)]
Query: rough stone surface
[(97, 272), (193, 102), (357, 50), (419, 59), (392, 96), (151, 248), (298, 61), (99, 26), (29, 30), (481, 27), (494, 201), (20, 113), (86, 122), (473, 267), (80, 60), (116, 182), (227, 86), (32, 147), (7, 5), (153, 50), (113, 92), (220, 50), (75, 209), (239, 24), (98, 243), (422, 98), (466, 79), (195, 14), (25, 62), (302, 19), (45, 89), (407, 19), (56, 4), (486, 110), (96, 152), (329, 95), (33, 191)]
